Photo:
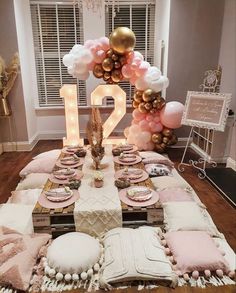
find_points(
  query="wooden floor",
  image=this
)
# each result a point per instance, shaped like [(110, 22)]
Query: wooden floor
[(223, 214)]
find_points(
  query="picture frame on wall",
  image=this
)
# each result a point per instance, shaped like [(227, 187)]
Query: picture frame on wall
[(206, 110)]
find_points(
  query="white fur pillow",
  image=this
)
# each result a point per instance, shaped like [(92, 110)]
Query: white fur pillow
[(134, 254), (43, 165), (32, 181), (163, 182), (151, 154), (17, 217), (28, 197), (53, 154), (188, 216), (73, 256)]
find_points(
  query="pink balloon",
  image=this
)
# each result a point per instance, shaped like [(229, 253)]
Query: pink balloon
[(145, 136), (91, 65), (89, 43), (156, 118), (135, 63), (171, 114), (133, 79), (141, 84), (149, 117), (104, 41), (144, 125), (143, 67), (99, 56), (130, 57), (149, 146), (138, 115), (138, 55), (126, 132), (127, 71), (134, 121), (155, 127)]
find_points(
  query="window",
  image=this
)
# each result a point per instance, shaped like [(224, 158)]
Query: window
[(139, 16), (56, 28)]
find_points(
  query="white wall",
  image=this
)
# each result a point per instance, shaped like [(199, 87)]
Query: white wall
[(227, 60)]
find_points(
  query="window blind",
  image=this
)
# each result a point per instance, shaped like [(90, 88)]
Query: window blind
[(57, 26), (139, 16)]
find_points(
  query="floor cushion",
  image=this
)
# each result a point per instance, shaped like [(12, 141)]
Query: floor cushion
[(53, 154), (158, 160), (134, 254), (184, 246), (18, 256), (17, 217), (32, 181), (42, 165), (187, 216), (73, 256), (27, 197), (158, 170), (229, 254), (174, 194), (163, 182)]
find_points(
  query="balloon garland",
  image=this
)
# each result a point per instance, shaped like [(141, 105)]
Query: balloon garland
[(115, 60)]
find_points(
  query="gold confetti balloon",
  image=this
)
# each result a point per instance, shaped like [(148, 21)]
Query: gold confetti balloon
[(148, 95), (116, 75), (122, 40), (157, 138)]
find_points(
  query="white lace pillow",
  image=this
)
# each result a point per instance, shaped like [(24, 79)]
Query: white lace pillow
[(53, 154), (32, 181), (134, 254), (72, 257), (151, 154), (157, 160), (188, 216), (163, 182), (43, 165), (27, 197), (17, 217)]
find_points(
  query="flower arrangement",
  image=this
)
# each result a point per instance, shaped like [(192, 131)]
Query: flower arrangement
[(98, 179), (8, 76)]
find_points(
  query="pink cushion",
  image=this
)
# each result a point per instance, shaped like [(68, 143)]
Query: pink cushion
[(18, 255), (174, 194), (43, 165), (27, 197), (195, 251)]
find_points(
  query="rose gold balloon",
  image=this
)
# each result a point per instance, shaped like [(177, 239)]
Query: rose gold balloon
[(114, 57), (139, 93), (122, 40), (109, 53), (116, 75), (106, 75), (137, 98), (173, 140), (148, 95), (98, 71), (153, 111), (148, 106), (142, 108), (159, 149), (157, 138), (110, 81), (166, 139), (107, 64), (122, 60), (163, 145), (135, 104), (117, 64), (167, 132)]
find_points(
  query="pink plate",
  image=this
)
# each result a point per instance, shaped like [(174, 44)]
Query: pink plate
[(138, 160), (79, 175), (59, 164), (134, 149), (124, 198), (144, 176), (44, 202), (65, 151)]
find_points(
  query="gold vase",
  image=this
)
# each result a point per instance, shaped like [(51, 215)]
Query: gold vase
[(5, 109)]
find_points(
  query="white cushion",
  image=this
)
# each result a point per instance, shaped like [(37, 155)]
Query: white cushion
[(73, 253), (32, 181), (163, 182), (188, 216), (27, 197), (17, 217), (53, 154), (151, 154), (43, 165), (134, 254), (230, 255)]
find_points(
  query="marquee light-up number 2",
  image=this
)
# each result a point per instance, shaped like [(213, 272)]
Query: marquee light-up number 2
[(69, 93), (117, 114)]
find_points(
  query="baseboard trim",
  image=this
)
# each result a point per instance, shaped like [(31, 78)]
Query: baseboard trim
[(231, 163)]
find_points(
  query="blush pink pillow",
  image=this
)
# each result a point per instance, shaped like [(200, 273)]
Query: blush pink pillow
[(195, 251), (43, 165), (174, 194)]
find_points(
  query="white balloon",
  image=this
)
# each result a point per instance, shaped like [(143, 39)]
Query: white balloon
[(76, 48), (80, 68), (141, 84), (138, 54), (86, 55), (160, 84), (83, 76), (68, 60)]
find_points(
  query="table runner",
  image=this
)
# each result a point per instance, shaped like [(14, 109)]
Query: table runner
[(98, 210)]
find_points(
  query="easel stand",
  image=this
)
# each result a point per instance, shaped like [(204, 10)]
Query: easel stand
[(202, 160)]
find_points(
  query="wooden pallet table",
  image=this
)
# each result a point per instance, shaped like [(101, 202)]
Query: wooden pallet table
[(60, 221), (134, 217)]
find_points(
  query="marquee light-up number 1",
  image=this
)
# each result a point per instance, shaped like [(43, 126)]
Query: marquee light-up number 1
[(69, 93), (117, 114)]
